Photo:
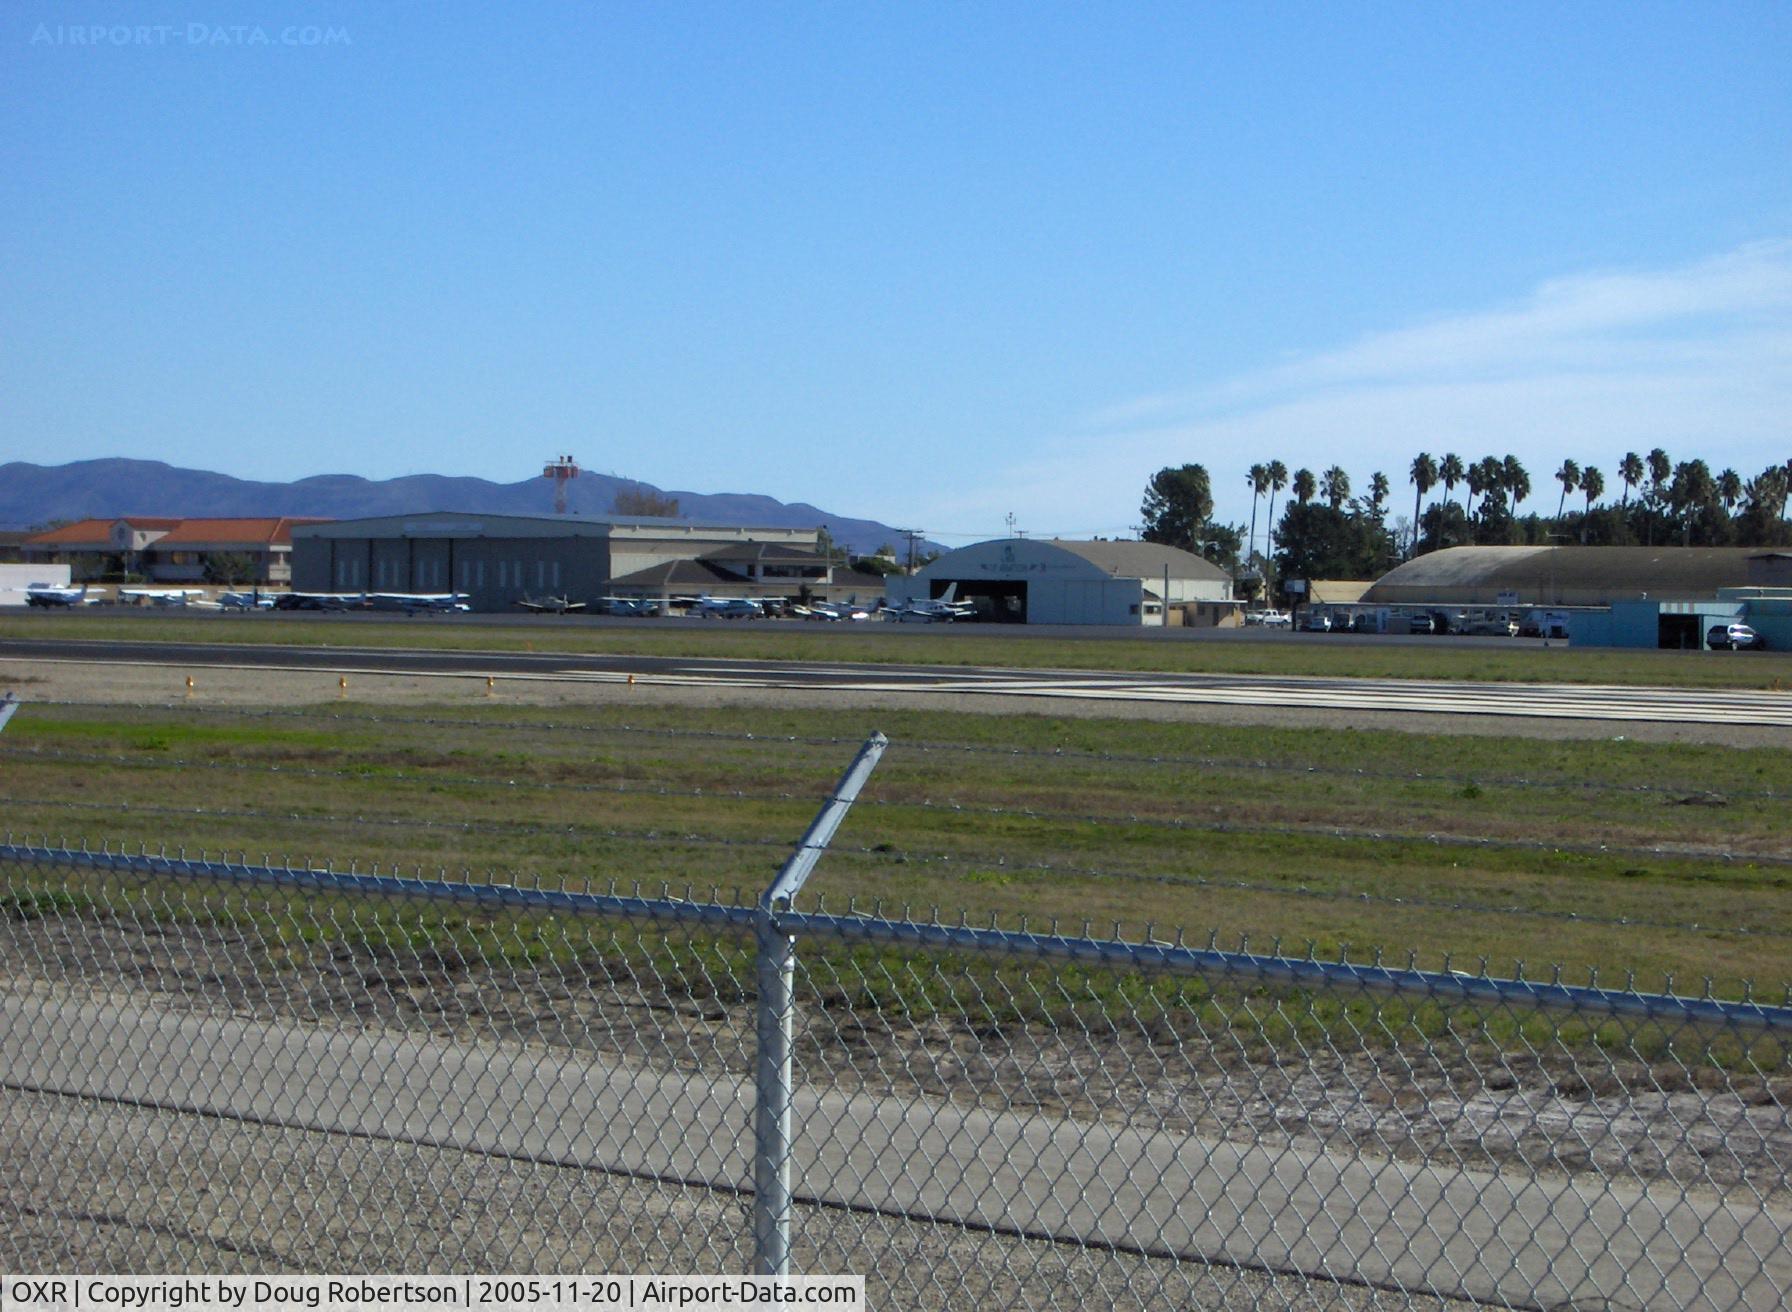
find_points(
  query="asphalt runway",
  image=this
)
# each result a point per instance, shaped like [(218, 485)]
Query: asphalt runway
[(1724, 707)]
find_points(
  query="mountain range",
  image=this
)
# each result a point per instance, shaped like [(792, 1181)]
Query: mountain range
[(35, 495)]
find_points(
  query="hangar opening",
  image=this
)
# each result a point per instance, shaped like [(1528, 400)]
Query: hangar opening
[(1060, 581), (997, 601)]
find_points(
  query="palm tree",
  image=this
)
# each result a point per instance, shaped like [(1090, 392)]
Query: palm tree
[(1304, 486), (1476, 478), (1592, 482), (1569, 477), (1659, 470), (1450, 472), (1729, 488), (1691, 491), (1379, 488), (1630, 469), (1515, 480), (1259, 481), (1278, 479), (1337, 487), (1424, 477)]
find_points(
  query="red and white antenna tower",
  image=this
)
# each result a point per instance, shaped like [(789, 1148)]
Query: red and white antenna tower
[(560, 471)]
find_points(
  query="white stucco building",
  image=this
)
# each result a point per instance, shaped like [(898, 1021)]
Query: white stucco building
[(1059, 581)]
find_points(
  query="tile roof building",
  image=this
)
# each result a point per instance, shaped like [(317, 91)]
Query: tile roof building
[(169, 550)]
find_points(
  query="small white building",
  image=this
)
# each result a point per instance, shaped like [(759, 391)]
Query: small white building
[(1060, 581)]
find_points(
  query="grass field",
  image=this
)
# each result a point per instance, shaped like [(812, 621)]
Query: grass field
[(1274, 654), (1666, 859)]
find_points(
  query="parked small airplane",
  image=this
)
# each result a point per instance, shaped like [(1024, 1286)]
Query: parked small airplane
[(631, 607), (834, 611), (728, 608), (421, 603), (320, 601), (244, 601), (8, 704), (940, 610), (162, 596), (550, 605), (49, 595)]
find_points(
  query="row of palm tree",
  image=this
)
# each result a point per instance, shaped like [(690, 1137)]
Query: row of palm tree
[(1682, 490)]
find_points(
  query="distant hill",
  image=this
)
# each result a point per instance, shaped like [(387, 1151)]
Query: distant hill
[(31, 495)]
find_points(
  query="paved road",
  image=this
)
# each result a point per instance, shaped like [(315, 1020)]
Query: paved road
[(1553, 701), (1512, 1240)]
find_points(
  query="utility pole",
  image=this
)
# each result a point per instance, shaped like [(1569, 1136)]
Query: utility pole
[(914, 537)]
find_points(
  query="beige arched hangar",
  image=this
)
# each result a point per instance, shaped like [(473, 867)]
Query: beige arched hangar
[(1565, 576), (1064, 581)]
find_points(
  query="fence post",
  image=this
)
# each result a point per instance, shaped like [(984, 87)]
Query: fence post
[(775, 1021)]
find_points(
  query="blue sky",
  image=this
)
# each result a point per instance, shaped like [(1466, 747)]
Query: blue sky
[(928, 263)]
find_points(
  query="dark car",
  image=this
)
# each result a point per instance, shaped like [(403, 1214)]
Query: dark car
[(1734, 637)]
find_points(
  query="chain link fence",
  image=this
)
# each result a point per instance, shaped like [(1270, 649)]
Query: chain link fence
[(259, 1068), (227, 1066)]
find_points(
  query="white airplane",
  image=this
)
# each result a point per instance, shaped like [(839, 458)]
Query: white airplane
[(837, 611), (244, 601), (8, 705), (728, 608), (942, 609), (162, 596), (550, 605), (49, 595), (422, 603), (632, 607)]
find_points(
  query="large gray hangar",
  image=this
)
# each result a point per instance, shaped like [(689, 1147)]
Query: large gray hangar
[(1568, 576), (1058, 581), (498, 560)]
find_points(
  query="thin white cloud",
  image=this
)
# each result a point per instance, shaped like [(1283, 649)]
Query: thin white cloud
[(1696, 360)]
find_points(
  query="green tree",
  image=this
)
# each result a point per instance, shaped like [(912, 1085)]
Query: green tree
[(1379, 491), (1569, 477), (229, 567), (1278, 479), (1335, 486), (1592, 482), (1259, 481), (1177, 506), (1321, 541), (1306, 487), (1450, 472), (644, 502), (1515, 480), (1423, 476), (1630, 469)]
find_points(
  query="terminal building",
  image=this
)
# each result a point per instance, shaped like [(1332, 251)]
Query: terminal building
[(499, 560), (1059, 581)]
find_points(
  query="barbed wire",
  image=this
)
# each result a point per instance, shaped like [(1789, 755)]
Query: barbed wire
[(886, 854), (926, 747)]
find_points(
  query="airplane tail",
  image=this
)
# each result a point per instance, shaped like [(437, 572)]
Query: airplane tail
[(950, 595)]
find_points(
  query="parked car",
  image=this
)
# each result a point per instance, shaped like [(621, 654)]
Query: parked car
[(1734, 637), (1316, 621)]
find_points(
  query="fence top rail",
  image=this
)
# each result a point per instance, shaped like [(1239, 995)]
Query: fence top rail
[(1150, 955)]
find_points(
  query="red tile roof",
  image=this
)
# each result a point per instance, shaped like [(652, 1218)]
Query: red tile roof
[(96, 530), (234, 530), (174, 531)]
